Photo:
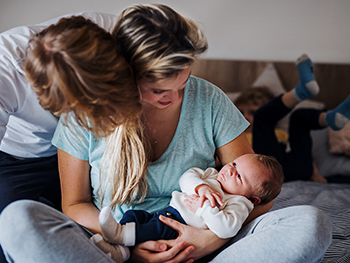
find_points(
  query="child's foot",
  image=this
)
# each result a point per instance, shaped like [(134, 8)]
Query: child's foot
[(317, 177), (339, 117), (112, 231), (307, 87), (117, 252), (115, 233)]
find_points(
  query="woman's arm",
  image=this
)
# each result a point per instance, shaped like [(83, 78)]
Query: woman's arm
[(230, 151), (76, 191)]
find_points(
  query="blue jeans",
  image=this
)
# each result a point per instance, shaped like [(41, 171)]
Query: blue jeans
[(33, 232)]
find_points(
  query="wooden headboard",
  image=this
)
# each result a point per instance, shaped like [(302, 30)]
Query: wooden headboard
[(235, 75)]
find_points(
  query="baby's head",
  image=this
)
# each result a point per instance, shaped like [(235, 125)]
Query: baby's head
[(252, 99), (255, 176)]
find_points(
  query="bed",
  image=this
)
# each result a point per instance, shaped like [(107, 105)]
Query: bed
[(331, 149)]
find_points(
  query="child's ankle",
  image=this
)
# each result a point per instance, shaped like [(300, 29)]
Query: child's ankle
[(307, 87)]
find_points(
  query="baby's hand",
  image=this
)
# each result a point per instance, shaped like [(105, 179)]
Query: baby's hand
[(193, 202), (206, 192)]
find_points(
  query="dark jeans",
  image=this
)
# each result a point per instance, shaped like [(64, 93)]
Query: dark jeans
[(297, 162), (30, 178), (149, 227)]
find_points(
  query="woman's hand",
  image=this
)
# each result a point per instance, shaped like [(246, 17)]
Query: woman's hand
[(204, 241), (156, 251)]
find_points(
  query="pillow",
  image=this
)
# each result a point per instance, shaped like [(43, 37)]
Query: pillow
[(269, 78), (339, 141), (328, 164)]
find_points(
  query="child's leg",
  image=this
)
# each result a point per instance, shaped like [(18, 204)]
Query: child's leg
[(339, 117), (154, 229), (149, 227), (307, 87), (115, 233), (316, 176), (117, 252), (299, 161), (265, 120)]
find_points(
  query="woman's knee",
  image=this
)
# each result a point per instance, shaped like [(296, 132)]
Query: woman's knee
[(305, 230), (308, 224), (14, 220), (18, 213), (20, 217), (317, 220), (317, 231)]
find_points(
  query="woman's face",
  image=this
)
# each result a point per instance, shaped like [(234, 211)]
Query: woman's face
[(166, 92)]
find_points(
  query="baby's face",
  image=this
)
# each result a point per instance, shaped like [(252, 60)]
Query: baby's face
[(242, 176)]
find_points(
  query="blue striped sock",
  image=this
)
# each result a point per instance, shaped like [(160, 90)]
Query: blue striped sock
[(339, 117), (307, 86)]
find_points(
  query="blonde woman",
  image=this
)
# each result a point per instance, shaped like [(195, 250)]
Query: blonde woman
[(186, 122)]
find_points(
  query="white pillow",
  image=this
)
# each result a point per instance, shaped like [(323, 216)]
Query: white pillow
[(269, 78)]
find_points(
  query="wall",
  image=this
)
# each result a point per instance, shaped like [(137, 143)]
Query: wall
[(279, 30)]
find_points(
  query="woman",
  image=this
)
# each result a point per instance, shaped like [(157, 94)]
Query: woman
[(64, 77), (186, 122)]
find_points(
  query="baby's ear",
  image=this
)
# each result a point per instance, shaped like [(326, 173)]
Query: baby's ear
[(255, 200)]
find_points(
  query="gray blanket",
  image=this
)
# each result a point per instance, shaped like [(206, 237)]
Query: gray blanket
[(334, 199)]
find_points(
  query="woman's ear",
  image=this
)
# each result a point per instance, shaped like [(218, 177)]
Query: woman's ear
[(255, 200)]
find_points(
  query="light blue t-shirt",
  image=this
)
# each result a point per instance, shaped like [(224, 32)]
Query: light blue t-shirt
[(208, 121)]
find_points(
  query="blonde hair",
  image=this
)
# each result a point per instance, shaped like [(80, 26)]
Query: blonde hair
[(125, 165), (271, 187), (157, 41), (77, 66)]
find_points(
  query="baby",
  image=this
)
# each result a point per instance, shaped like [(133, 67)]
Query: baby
[(219, 201)]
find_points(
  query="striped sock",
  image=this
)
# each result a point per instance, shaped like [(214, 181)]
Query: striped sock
[(112, 231), (117, 252), (339, 117), (307, 86)]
